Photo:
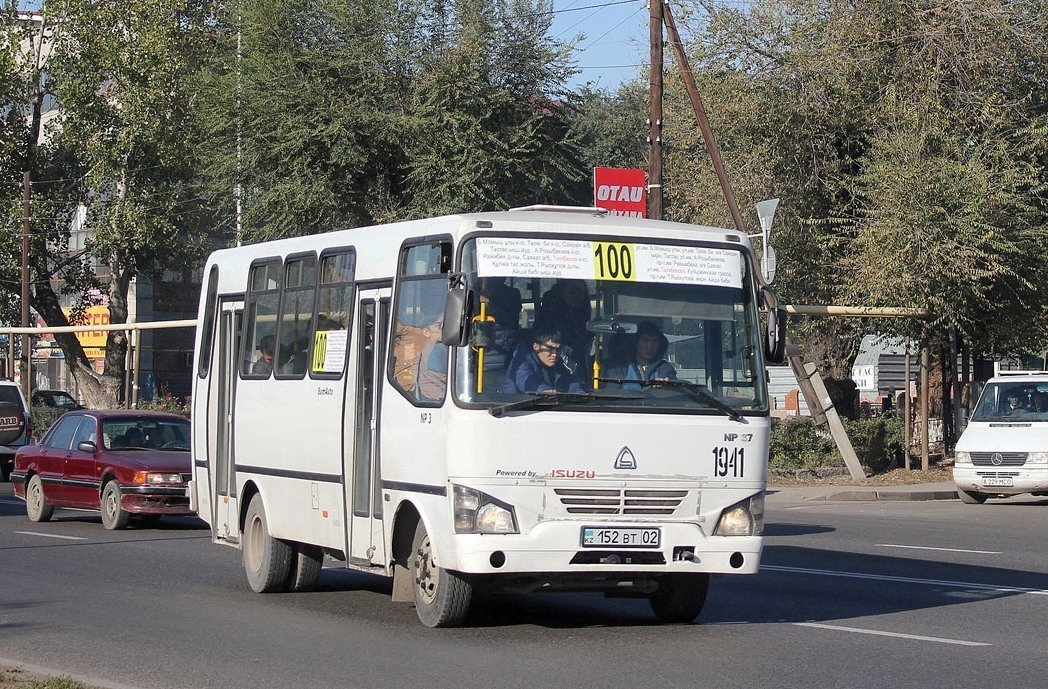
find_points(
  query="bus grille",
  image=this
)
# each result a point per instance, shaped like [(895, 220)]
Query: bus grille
[(998, 459), (614, 501)]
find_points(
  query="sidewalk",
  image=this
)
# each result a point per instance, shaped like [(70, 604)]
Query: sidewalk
[(944, 490)]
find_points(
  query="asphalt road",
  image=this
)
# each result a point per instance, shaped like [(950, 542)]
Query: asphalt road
[(889, 594)]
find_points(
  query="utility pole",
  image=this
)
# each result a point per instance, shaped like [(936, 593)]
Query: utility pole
[(37, 98), (655, 117), (703, 120), (23, 362)]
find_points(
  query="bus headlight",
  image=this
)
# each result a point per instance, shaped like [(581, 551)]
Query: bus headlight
[(961, 458), (744, 518), (1037, 458), (477, 512)]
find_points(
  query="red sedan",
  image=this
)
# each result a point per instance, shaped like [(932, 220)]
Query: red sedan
[(117, 461)]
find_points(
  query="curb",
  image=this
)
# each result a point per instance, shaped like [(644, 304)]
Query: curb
[(887, 495)]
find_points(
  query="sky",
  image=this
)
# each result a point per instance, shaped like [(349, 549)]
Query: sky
[(615, 44)]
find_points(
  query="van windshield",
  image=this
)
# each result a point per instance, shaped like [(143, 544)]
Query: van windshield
[(1019, 400), (631, 325)]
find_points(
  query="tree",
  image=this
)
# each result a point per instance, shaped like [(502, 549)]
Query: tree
[(343, 113), (120, 157), (906, 144)]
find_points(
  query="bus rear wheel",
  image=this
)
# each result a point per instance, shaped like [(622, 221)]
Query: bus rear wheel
[(680, 597), (267, 560), (306, 563), (442, 598)]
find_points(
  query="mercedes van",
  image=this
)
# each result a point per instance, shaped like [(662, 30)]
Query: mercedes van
[(1004, 449)]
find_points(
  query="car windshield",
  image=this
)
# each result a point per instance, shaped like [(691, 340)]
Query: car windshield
[(143, 434), (666, 327), (1025, 401)]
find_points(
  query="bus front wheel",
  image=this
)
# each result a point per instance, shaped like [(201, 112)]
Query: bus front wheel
[(267, 560), (680, 597), (441, 598)]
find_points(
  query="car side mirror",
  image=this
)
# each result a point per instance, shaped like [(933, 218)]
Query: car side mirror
[(88, 446)]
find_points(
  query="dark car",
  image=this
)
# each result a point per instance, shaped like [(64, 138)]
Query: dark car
[(120, 462), (56, 399), (16, 428)]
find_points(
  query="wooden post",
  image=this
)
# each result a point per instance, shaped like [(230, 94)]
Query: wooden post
[(907, 419), (925, 401)]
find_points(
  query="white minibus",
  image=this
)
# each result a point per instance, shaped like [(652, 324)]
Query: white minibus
[(539, 399)]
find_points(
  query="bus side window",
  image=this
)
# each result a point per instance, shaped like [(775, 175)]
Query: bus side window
[(260, 323)]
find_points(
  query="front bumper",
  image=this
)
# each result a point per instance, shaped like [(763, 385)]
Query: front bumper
[(1023, 479), (155, 500), (554, 547)]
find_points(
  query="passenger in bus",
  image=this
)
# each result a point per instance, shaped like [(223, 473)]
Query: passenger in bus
[(263, 366), (1040, 402), (565, 308), (537, 367), (297, 362), (646, 360), (431, 378), (503, 303)]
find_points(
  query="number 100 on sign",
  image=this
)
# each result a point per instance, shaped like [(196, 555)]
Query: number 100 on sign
[(614, 261)]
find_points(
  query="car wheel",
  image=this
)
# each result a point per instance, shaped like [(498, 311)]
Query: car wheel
[(267, 560), (36, 505), (971, 497), (680, 597), (306, 563), (114, 517), (442, 598)]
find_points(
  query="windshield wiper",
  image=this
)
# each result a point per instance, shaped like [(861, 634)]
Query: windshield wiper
[(555, 399), (699, 392)]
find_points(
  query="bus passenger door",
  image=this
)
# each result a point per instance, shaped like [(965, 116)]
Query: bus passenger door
[(364, 470), (224, 524)]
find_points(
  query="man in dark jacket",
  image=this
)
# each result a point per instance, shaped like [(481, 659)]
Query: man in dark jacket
[(647, 359), (537, 367)]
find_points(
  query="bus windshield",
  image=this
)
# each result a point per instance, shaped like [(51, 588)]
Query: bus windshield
[(610, 325)]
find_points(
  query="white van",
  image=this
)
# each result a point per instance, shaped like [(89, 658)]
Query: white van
[(1004, 449)]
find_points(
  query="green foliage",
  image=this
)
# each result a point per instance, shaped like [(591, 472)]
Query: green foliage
[(166, 402), (879, 443), (907, 144), (347, 113), (798, 444), (43, 418)]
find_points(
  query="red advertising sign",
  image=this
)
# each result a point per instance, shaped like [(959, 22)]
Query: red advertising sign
[(622, 191)]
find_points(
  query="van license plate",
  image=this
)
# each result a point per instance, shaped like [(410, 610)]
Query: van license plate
[(997, 481), (599, 537)]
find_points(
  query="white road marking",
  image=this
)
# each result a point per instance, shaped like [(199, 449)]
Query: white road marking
[(916, 637), (52, 535), (906, 580), (941, 550)]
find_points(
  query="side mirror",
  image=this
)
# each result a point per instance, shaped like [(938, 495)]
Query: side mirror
[(775, 337), (87, 446), (457, 312)]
